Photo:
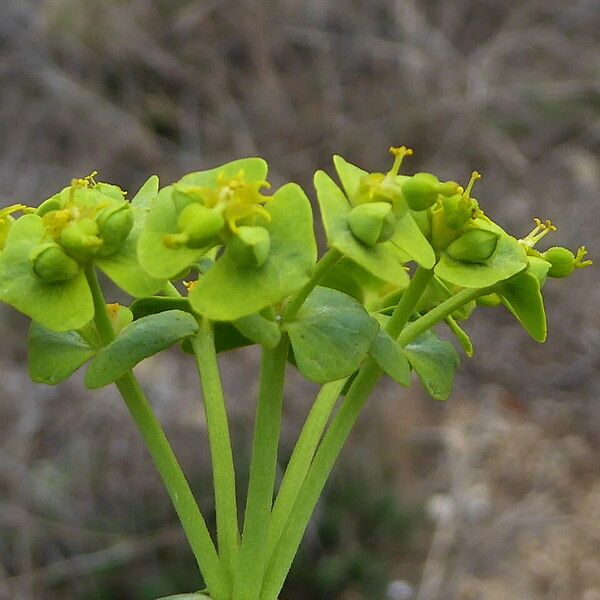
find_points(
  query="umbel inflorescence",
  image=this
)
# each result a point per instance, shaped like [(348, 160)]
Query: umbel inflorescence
[(216, 261)]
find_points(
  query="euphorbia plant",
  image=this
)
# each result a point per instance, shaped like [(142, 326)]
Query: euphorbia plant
[(213, 263)]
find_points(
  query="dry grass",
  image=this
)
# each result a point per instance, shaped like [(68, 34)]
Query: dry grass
[(140, 86)]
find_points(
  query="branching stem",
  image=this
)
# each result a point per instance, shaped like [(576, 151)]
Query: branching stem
[(164, 459)]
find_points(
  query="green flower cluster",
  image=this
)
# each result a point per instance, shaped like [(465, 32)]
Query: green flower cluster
[(213, 263), (251, 251)]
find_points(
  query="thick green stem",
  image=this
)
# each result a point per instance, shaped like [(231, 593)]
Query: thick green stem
[(164, 459), (331, 446), (329, 259), (439, 313), (406, 306), (220, 447), (301, 458), (177, 486), (263, 466), (327, 453)]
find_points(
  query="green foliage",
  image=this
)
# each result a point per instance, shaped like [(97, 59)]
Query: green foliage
[(143, 338), (388, 354), (331, 335), (461, 336), (260, 330), (55, 356), (523, 298), (434, 362), (186, 597)]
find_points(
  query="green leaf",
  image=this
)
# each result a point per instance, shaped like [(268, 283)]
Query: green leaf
[(255, 169), (538, 267), (331, 335), (124, 267), (350, 278), (59, 306), (382, 260), (508, 260), (461, 335), (197, 596), (142, 307), (260, 330), (434, 362), (55, 356), (154, 257), (137, 341), (388, 354), (349, 175), (146, 194), (410, 239), (230, 290), (523, 298), (228, 337)]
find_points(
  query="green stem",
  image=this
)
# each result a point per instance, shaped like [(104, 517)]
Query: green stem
[(328, 260), (262, 473), (331, 446), (439, 313), (301, 458), (312, 487), (220, 446), (406, 306), (164, 459)]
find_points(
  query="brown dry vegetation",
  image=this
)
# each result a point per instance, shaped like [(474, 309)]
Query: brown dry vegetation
[(495, 495)]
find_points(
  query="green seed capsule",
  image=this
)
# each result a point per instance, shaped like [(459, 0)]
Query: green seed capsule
[(473, 246), (562, 261), (422, 190), (199, 224), (80, 239), (458, 209), (114, 224), (50, 263), (372, 223), (250, 245)]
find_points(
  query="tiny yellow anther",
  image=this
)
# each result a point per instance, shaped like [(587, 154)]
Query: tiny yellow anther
[(541, 229), (190, 285), (113, 308), (398, 152)]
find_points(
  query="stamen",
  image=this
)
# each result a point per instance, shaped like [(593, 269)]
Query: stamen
[(540, 230), (91, 179), (475, 175), (399, 153), (581, 254), (112, 308), (190, 285)]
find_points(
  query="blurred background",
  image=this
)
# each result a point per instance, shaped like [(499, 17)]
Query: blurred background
[(490, 496)]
